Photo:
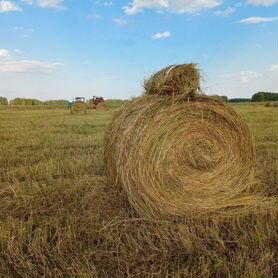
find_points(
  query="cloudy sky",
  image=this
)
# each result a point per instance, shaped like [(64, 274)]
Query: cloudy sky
[(52, 49)]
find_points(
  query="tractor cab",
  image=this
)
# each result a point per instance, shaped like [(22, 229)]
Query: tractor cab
[(79, 99), (97, 101)]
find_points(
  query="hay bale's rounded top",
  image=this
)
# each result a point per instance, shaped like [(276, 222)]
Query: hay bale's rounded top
[(174, 80)]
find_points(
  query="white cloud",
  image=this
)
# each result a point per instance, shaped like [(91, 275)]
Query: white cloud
[(50, 3), (226, 12), (4, 53), (108, 4), (24, 31), (246, 82), (161, 36), (120, 21), (9, 6), (17, 51), (94, 16), (247, 75), (176, 6), (256, 20), (273, 67), (25, 66), (266, 3), (53, 4)]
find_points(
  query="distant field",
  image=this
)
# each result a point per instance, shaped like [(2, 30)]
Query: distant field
[(58, 214)]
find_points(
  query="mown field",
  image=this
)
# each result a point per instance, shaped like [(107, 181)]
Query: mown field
[(59, 217)]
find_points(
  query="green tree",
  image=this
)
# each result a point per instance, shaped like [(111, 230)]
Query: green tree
[(3, 101)]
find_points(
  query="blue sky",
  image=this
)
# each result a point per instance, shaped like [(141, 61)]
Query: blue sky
[(58, 49)]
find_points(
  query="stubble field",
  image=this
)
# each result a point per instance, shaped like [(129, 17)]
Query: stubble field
[(59, 216)]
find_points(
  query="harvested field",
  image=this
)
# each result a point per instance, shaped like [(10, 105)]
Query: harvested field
[(61, 217)]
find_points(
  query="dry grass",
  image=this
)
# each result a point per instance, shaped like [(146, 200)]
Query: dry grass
[(60, 217)]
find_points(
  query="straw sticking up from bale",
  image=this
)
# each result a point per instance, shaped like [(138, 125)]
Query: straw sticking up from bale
[(174, 80), (178, 156)]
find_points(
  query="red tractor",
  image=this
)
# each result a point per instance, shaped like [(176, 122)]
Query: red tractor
[(97, 102)]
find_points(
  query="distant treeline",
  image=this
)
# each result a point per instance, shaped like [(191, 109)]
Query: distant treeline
[(113, 103), (30, 101), (265, 96), (63, 102), (225, 99), (240, 100), (258, 97), (25, 101)]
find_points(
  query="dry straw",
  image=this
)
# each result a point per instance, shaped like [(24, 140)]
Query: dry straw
[(184, 155), (101, 107), (174, 80)]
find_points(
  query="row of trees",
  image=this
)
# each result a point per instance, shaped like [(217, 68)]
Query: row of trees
[(234, 100), (258, 97), (30, 101), (61, 102), (265, 96)]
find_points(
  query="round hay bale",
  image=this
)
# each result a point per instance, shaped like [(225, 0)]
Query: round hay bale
[(78, 107), (268, 104), (175, 80), (176, 157), (101, 106)]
